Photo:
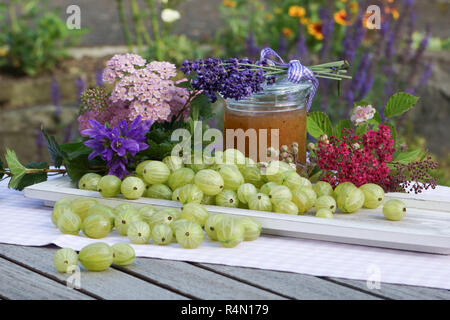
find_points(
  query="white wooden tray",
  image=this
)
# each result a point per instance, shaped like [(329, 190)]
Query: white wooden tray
[(425, 228)]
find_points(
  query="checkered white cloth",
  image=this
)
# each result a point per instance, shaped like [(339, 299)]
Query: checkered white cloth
[(27, 222)]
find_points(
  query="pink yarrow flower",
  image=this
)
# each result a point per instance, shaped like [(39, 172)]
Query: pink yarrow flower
[(362, 114)]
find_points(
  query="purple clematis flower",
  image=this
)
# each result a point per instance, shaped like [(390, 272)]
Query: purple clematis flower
[(116, 145)]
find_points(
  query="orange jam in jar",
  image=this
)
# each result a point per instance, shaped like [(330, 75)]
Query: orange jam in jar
[(278, 112)]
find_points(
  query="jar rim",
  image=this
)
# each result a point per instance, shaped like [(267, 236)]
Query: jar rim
[(282, 93)]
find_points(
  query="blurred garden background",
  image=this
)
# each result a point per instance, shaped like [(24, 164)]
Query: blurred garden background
[(44, 66)]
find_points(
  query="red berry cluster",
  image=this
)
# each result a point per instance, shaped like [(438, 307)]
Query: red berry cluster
[(357, 159)]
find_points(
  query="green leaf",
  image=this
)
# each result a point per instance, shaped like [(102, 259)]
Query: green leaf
[(407, 157), (318, 123), (76, 167), (56, 154), (32, 178), (393, 132), (200, 106), (14, 165), (361, 103), (399, 103), (341, 125), (157, 151), (376, 120)]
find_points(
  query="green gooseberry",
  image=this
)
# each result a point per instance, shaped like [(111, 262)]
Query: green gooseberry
[(139, 232), (181, 177), (156, 172), (231, 176), (123, 254), (65, 259), (195, 212), (350, 200), (173, 163), (159, 191), (96, 257), (109, 186), (373, 195), (190, 193), (81, 206), (323, 188), (252, 228), (209, 181), (89, 181), (96, 226), (326, 202), (69, 223), (287, 207), (280, 193), (227, 198), (324, 213), (260, 202), (125, 218), (189, 234), (394, 210), (245, 191), (162, 234), (230, 232), (211, 225), (132, 188)]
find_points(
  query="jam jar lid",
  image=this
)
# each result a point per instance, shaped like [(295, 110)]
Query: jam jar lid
[(280, 95)]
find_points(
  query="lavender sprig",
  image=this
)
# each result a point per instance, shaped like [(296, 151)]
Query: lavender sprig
[(239, 78)]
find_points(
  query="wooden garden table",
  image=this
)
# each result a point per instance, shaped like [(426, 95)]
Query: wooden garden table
[(28, 273)]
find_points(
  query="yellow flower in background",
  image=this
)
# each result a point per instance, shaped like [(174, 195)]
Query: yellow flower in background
[(353, 7), (268, 16), (342, 18), (296, 11), (229, 3), (287, 32), (315, 29), (4, 51), (304, 21), (395, 13), (277, 10)]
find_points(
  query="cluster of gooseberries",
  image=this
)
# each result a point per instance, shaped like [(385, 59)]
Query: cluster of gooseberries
[(97, 256), (186, 227), (230, 179)]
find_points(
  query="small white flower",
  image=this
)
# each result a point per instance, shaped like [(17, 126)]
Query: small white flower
[(361, 114), (170, 15)]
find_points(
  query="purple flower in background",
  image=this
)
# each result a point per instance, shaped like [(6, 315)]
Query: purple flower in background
[(81, 86), (425, 76), (327, 31), (251, 47), (302, 51), (99, 78), (116, 144)]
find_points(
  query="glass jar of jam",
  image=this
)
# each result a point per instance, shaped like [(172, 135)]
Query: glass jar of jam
[(280, 108)]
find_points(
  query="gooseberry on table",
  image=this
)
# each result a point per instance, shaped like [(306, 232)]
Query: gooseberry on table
[(65, 259), (139, 232), (96, 226), (96, 257), (109, 186), (123, 254)]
